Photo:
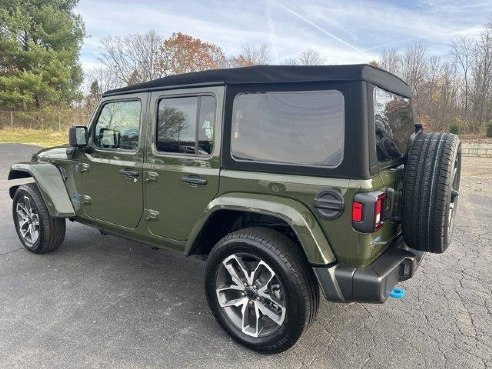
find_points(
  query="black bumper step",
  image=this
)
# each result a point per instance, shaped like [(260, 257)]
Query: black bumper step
[(373, 283)]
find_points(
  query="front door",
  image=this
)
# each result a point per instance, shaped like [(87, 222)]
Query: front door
[(181, 172), (111, 169)]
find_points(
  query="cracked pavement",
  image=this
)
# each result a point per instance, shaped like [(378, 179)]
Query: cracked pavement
[(100, 301)]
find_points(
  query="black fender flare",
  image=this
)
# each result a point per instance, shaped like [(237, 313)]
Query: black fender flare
[(50, 184)]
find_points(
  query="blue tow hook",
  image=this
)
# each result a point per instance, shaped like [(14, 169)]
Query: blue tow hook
[(397, 293)]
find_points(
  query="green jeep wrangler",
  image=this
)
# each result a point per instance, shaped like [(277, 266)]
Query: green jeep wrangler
[(288, 179)]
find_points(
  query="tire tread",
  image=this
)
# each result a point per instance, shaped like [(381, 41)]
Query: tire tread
[(426, 191)]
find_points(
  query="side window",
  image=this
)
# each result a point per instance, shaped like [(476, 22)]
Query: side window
[(118, 125), (186, 125), (291, 127), (206, 121)]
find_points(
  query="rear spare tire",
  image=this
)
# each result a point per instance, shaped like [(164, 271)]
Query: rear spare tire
[(430, 191)]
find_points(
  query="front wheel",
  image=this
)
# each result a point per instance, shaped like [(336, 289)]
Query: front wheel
[(260, 289), (38, 231)]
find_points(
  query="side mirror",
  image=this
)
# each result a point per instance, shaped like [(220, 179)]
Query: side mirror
[(77, 136), (109, 138)]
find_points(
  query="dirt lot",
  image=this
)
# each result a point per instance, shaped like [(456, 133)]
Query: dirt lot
[(476, 175), (104, 302)]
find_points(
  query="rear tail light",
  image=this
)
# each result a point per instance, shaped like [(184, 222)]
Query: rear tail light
[(378, 212), (357, 211), (368, 211)]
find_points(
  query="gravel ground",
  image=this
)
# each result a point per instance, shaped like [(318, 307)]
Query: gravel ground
[(476, 175), (100, 302)]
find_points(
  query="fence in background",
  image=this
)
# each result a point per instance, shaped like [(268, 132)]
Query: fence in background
[(57, 120)]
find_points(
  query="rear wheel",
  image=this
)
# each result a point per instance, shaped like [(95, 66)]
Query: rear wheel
[(430, 191), (260, 289), (38, 231)]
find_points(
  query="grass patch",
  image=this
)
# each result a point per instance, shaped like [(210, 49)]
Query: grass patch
[(43, 138)]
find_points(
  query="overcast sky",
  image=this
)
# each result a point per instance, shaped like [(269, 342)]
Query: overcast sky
[(343, 31)]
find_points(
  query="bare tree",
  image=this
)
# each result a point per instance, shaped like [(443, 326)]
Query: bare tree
[(135, 57), (307, 57), (430, 80), (482, 77), (374, 63), (414, 65), (445, 94), (391, 61), (105, 78), (142, 57), (291, 61), (462, 52), (311, 57), (251, 55), (97, 81)]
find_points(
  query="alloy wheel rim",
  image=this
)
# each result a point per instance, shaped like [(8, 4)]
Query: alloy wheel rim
[(454, 196), (27, 220), (250, 294)]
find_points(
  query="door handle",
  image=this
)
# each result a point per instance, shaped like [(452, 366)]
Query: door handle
[(129, 173), (194, 180), (151, 177)]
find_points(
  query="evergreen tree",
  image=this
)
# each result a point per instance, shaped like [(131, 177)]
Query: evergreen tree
[(39, 53)]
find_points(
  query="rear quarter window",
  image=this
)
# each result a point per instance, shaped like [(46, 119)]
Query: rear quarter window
[(293, 127), (393, 121)]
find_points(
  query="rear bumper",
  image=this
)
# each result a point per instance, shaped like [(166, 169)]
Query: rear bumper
[(341, 283)]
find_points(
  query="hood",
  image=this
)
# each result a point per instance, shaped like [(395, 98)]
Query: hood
[(51, 154)]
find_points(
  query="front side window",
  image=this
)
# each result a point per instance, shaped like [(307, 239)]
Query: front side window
[(393, 120), (294, 127), (118, 125), (186, 125)]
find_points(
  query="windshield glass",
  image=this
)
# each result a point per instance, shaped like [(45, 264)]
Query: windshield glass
[(393, 120)]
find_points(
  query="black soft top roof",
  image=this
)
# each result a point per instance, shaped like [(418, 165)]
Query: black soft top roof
[(267, 74)]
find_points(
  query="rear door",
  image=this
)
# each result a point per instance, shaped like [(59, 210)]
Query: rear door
[(182, 168), (111, 170)]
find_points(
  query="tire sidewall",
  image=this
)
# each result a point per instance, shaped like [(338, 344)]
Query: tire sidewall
[(449, 185), (294, 317)]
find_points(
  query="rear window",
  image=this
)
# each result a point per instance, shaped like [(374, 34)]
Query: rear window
[(295, 127), (394, 124)]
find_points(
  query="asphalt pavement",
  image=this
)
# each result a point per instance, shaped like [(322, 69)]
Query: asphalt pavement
[(103, 302)]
